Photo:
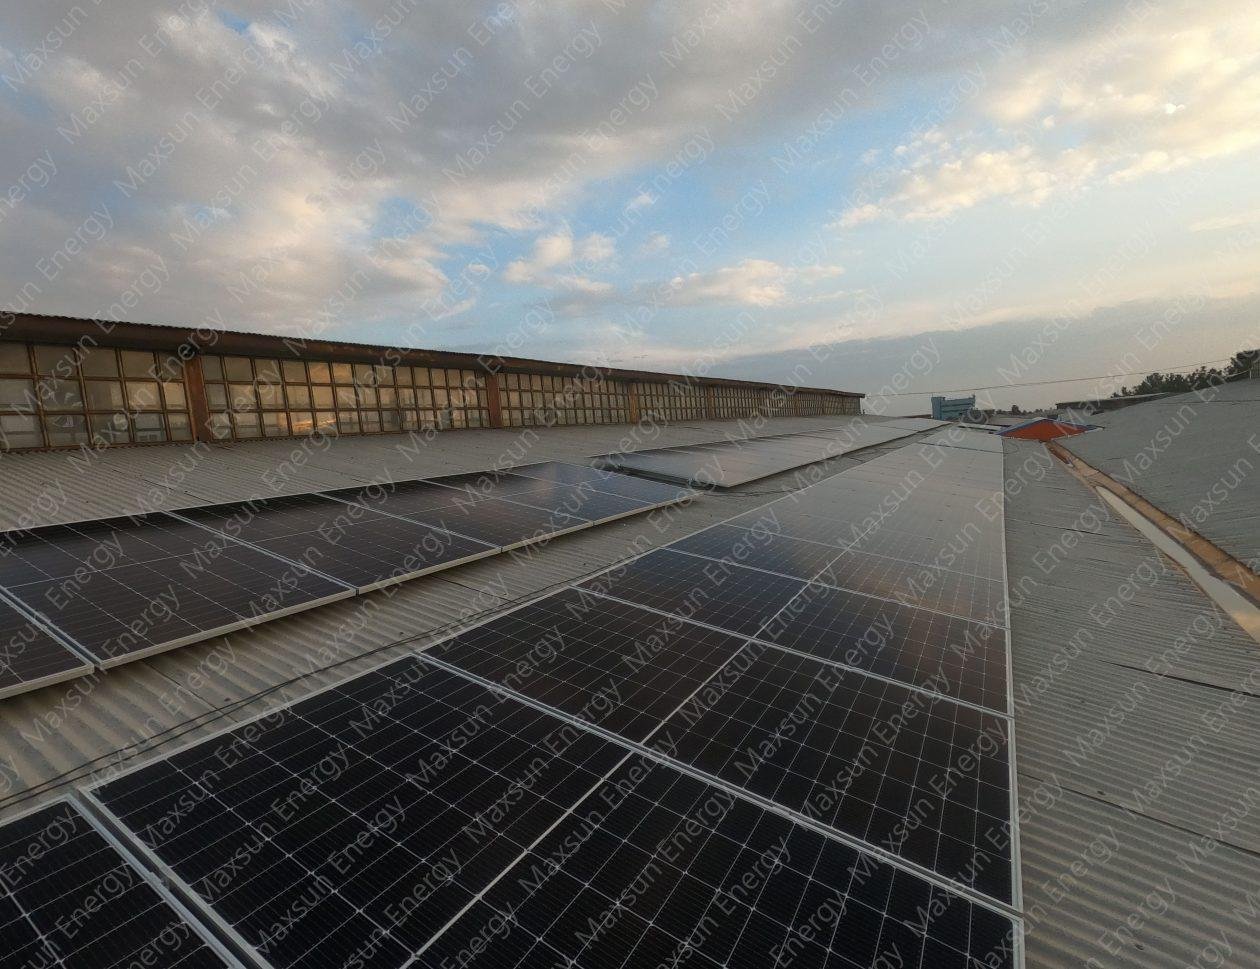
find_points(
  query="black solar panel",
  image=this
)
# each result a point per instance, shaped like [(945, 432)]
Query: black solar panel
[(579, 501), (958, 549), (491, 484), (656, 868), (503, 523), (728, 596), (931, 650), (729, 463), (978, 597), (127, 587), (926, 779), (69, 898), (609, 663), (398, 497), (30, 657), (653, 492), (353, 826), (348, 542), (760, 548)]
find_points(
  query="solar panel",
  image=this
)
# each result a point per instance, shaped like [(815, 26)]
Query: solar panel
[(910, 583), (759, 548), (978, 597), (924, 778), (605, 662), (579, 501), (728, 596), (349, 828), (68, 897), (387, 818), (460, 496), (124, 588), (656, 868), (726, 464), (502, 523), (30, 657), (400, 498), (349, 543), (599, 480), (491, 484), (933, 651), (941, 546)]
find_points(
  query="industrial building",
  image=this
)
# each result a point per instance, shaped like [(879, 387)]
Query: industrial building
[(68, 382), (1134, 836)]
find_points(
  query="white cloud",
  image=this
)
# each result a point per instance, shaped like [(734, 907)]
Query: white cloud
[(640, 201), (1147, 95), (753, 282), (656, 243), (1232, 221), (560, 249)]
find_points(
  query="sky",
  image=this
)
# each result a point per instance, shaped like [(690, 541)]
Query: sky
[(894, 197)]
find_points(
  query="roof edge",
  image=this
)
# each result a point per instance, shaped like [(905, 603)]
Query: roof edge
[(193, 340)]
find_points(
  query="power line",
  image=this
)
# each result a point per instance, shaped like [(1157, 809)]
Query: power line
[(1062, 380)]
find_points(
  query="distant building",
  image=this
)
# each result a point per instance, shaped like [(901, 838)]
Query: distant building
[(951, 409), (1107, 403)]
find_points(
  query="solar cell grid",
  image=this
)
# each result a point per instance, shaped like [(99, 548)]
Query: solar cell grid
[(498, 484), (347, 542), (69, 898), (582, 501), (358, 825), (977, 597), (30, 657), (607, 482), (124, 588), (730, 463), (934, 651), (400, 498), (721, 594), (942, 486), (926, 779), (967, 548), (657, 868), (502, 523), (759, 548), (603, 661)]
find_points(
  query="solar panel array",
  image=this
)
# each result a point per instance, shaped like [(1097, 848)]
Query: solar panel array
[(725, 464), (30, 657), (106, 592), (719, 753), (69, 897)]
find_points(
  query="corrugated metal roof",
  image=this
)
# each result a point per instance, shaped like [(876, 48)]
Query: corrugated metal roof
[(1195, 456), (1124, 773), (61, 486), (1103, 871), (94, 721)]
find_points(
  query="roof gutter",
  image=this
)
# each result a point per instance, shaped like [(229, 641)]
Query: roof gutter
[(1214, 559)]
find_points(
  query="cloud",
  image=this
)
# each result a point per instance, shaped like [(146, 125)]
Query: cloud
[(264, 151), (656, 243), (1232, 221), (561, 249), (753, 282), (1146, 95)]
